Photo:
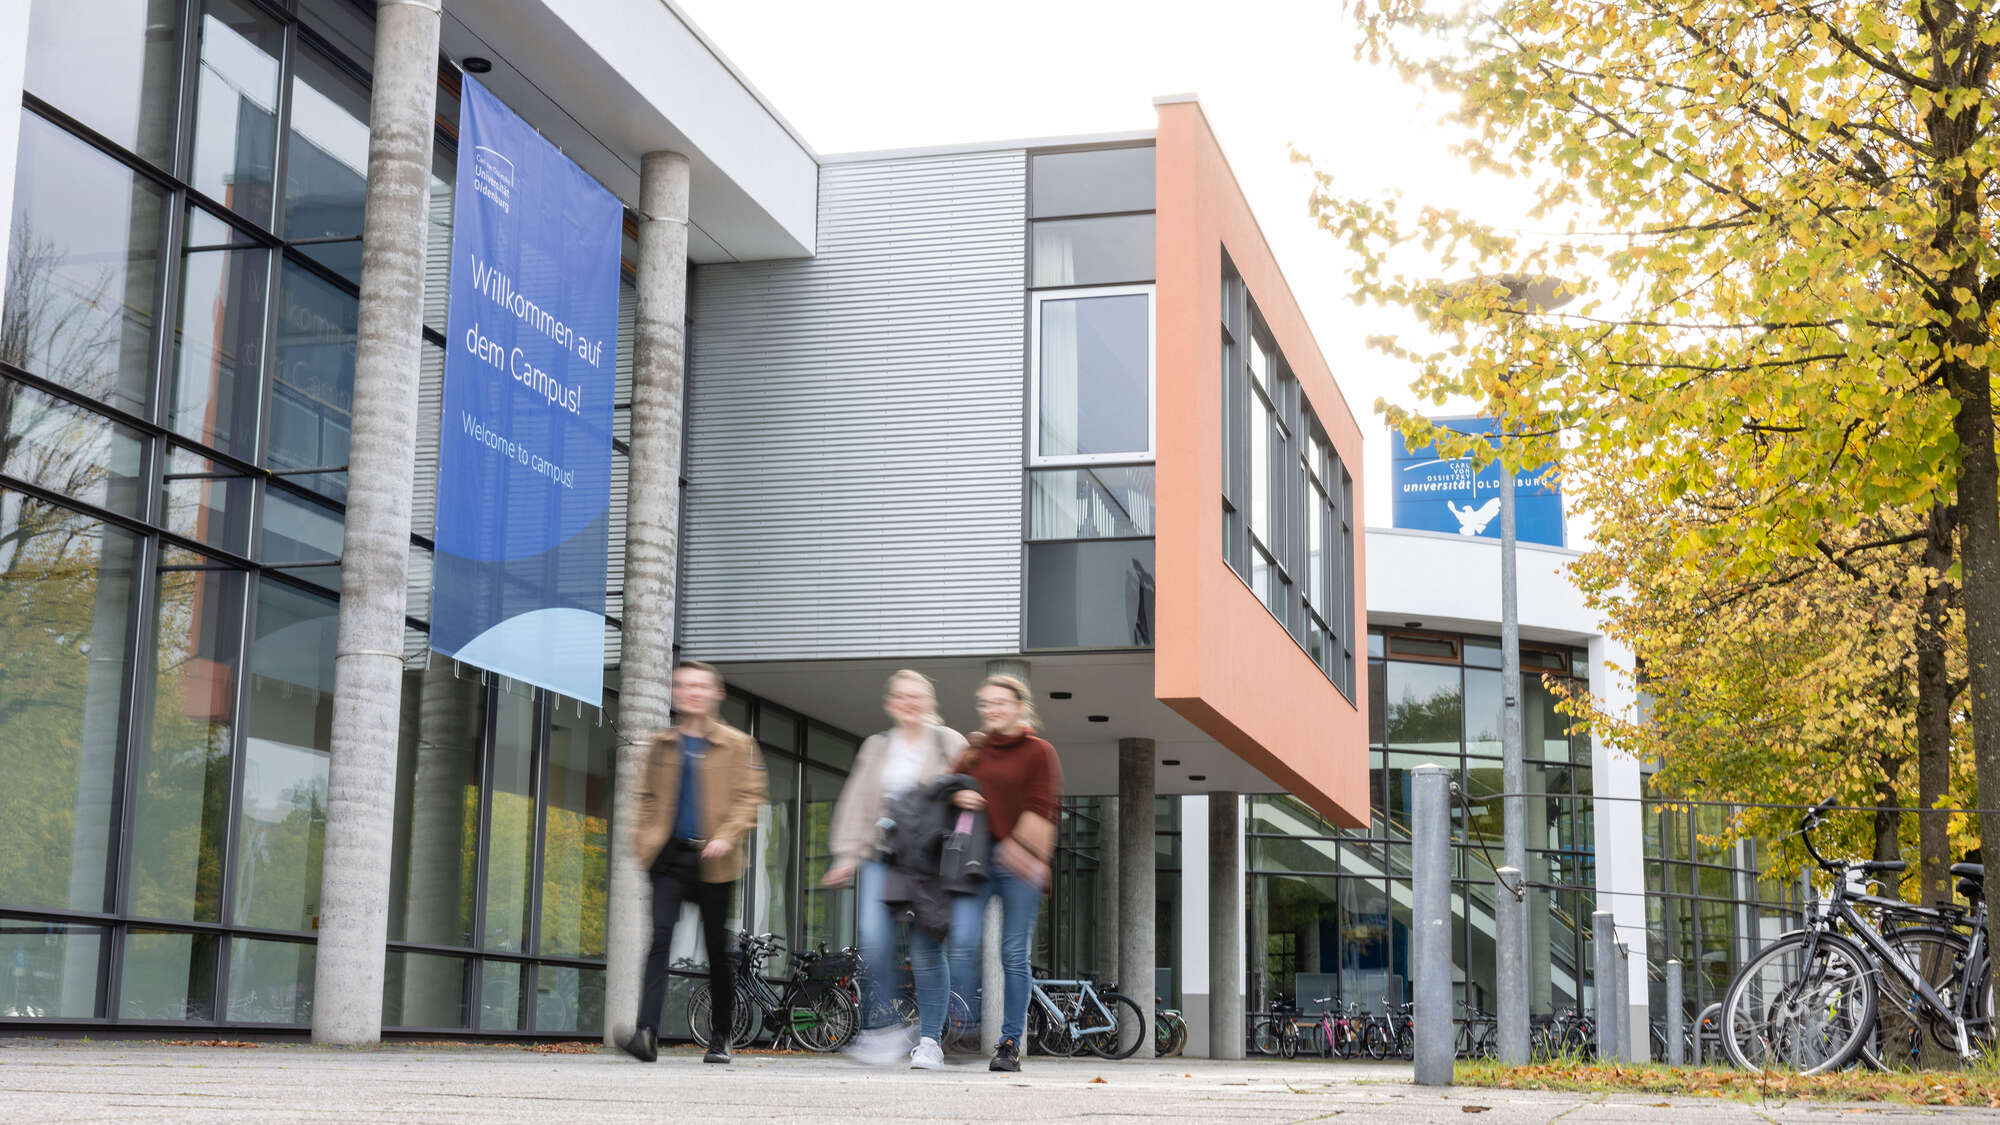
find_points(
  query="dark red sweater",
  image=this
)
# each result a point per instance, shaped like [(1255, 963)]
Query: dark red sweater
[(1016, 775)]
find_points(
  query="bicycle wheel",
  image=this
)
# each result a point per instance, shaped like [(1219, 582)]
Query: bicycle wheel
[(822, 1018), (1804, 1004), (1406, 1042), (1056, 1038), (1128, 1029), (1902, 1018), (1177, 1042), (1264, 1036), (1486, 1045), (699, 1016), (962, 1035), (1375, 1041), (1344, 1045)]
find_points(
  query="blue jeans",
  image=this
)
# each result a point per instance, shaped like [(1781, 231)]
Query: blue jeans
[(877, 926), (1020, 902)]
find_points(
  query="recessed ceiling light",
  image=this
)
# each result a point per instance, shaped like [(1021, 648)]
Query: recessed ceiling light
[(1197, 777), (1170, 761), (1059, 695), (1100, 718), (474, 64)]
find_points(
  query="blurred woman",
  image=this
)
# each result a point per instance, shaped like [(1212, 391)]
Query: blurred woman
[(1020, 783), (913, 752)]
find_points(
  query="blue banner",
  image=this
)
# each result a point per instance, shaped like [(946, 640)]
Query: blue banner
[(524, 447), (1435, 493)]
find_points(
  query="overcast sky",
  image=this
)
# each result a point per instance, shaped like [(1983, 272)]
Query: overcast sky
[(858, 75)]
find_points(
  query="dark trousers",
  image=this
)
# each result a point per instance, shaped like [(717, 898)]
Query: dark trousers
[(712, 899)]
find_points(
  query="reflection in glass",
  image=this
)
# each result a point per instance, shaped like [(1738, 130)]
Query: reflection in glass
[(110, 64), (326, 162), (1095, 376), (576, 841), (168, 976), (298, 530), (219, 343), (500, 995), (1091, 594), (50, 970), (770, 893), (1424, 707), (1090, 503), (423, 990), (828, 913), (437, 812), (1484, 709), (511, 829), (235, 115), (569, 1000), (206, 501), (312, 397), (65, 588), (69, 450), (1102, 251), (183, 791), (283, 827), (82, 269), (270, 981)]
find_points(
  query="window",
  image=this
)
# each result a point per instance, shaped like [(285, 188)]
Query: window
[(1116, 248), (1096, 503), (1093, 379), (110, 64), (1286, 498), (1091, 182)]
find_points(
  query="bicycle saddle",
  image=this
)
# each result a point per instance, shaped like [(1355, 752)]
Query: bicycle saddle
[(1969, 870)]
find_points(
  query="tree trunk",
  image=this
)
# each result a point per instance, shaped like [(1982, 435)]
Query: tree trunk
[(1934, 713), (375, 542), (1888, 823)]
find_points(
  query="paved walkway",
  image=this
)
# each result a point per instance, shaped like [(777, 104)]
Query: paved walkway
[(90, 1082)]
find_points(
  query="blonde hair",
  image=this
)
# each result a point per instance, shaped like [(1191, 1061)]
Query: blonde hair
[(911, 675), (1029, 716)]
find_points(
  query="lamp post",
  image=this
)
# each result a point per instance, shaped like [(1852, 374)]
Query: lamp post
[(1525, 293)]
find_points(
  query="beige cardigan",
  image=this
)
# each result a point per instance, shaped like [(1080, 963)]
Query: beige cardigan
[(857, 830)]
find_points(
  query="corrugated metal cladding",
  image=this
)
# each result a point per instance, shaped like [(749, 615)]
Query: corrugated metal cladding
[(854, 432)]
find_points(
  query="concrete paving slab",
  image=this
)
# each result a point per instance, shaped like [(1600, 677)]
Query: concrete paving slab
[(72, 1081)]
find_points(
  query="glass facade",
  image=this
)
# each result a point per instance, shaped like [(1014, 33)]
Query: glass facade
[(1287, 501), (1090, 564), (176, 378), (1706, 904), (1330, 908)]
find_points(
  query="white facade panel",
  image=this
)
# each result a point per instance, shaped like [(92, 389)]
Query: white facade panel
[(855, 425)]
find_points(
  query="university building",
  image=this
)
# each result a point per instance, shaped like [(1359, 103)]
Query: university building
[(1046, 407)]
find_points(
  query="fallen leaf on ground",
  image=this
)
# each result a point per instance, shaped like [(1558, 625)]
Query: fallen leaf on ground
[(224, 1043), (1474, 1108), (1099, 1080)]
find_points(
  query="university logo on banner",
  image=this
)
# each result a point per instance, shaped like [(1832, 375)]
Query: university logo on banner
[(1433, 493), (524, 445)]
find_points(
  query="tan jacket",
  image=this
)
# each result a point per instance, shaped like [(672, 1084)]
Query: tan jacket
[(857, 831), (732, 784)]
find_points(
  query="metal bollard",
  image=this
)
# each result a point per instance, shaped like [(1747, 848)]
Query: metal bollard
[(1430, 960), (1676, 1019), (1625, 1005), (1604, 973), (1509, 928)]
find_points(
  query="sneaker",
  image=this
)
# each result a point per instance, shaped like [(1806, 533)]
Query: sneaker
[(1007, 1056), (879, 1046), (640, 1044), (719, 1053), (927, 1055)]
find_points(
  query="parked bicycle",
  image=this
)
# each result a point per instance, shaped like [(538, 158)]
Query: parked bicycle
[(1276, 1032), (1170, 1030), (1478, 1034), (1569, 1033), (1066, 1017), (1810, 1001), (815, 1009)]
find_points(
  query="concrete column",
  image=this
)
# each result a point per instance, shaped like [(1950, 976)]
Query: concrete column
[(1604, 982), (992, 979), (652, 524), (1430, 943), (1624, 974), (1107, 887), (1225, 927), (1138, 901), (1676, 1029), (1512, 978), (1191, 977), (375, 540)]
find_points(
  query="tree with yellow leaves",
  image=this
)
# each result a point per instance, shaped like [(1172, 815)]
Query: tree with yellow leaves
[(1781, 215)]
